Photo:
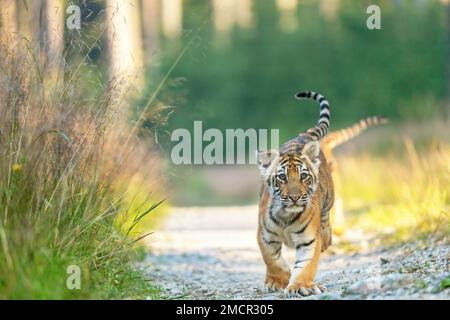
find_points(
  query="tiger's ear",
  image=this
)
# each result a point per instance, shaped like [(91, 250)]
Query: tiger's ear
[(312, 151), (265, 160)]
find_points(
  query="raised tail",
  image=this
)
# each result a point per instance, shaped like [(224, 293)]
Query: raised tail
[(321, 128), (338, 137)]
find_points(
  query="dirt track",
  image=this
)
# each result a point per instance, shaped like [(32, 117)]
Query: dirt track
[(211, 253)]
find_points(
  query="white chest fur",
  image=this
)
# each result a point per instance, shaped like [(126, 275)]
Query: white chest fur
[(290, 235), (290, 238)]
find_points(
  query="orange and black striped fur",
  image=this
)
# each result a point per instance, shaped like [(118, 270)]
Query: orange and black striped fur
[(333, 140), (338, 137), (296, 197)]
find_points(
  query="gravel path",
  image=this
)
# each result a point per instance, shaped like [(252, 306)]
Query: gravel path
[(211, 253)]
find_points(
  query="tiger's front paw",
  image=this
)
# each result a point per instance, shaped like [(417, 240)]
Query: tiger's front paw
[(303, 290), (276, 283)]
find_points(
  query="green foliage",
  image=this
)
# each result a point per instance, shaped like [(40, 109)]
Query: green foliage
[(445, 283), (249, 79)]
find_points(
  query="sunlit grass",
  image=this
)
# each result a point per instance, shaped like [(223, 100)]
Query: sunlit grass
[(144, 211), (401, 195), (64, 162)]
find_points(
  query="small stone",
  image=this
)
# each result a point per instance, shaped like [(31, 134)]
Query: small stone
[(380, 283), (365, 286)]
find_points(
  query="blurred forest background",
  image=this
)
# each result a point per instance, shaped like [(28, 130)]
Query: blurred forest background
[(158, 65), (236, 64)]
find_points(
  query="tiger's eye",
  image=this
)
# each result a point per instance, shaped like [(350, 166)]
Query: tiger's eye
[(303, 176), (282, 176)]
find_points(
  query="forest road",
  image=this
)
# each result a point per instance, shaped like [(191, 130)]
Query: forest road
[(211, 253)]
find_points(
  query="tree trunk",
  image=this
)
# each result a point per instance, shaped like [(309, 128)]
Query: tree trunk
[(288, 14), (9, 21), (31, 24), (223, 15), (24, 19), (329, 8), (150, 27), (244, 13), (125, 41), (55, 38), (172, 18)]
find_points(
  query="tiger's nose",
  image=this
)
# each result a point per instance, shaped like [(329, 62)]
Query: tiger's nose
[(294, 198)]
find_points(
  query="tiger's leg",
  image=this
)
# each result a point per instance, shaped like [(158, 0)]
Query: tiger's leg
[(277, 270), (306, 262), (326, 233)]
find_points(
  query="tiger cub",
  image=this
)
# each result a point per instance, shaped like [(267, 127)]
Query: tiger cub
[(295, 200), (327, 145)]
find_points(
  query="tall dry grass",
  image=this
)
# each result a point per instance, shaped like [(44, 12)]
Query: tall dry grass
[(400, 194), (66, 163)]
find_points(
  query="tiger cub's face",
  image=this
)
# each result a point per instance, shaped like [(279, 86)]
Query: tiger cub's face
[(292, 178)]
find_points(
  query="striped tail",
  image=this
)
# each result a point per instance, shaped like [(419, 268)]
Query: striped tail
[(338, 137), (321, 128)]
